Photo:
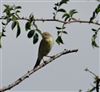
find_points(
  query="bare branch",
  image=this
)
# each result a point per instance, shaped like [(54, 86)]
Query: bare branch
[(61, 21), (96, 82), (32, 71)]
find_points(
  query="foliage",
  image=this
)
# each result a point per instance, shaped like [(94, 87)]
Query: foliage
[(93, 39), (96, 82), (67, 16), (95, 13), (12, 14)]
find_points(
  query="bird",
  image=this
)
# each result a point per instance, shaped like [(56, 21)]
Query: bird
[(45, 47)]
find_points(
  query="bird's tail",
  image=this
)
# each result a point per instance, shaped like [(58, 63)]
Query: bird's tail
[(37, 63)]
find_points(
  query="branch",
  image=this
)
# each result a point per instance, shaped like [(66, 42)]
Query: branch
[(69, 22), (25, 76), (96, 82), (61, 21)]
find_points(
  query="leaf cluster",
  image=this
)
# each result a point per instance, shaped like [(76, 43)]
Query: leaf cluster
[(67, 16), (32, 29), (11, 13), (94, 36), (58, 8), (95, 13), (60, 31), (96, 82)]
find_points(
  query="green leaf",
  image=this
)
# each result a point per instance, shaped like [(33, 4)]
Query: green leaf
[(31, 33), (14, 18), (3, 34), (6, 6), (55, 8), (64, 32), (3, 23), (66, 15), (59, 40), (31, 18), (94, 30), (93, 17), (8, 20), (35, 38), (58, 32), (72, 12), (27, 25), (66, 18), (13, 24), (94, 36), (18, 7), (58, 28), (8, 9), (5, 17), (17, 11), (94, 44), (97, 9), (95, 13), (56, 4), (3, 29), (63, 2), (93, 39), (18, 30), (61, 10)]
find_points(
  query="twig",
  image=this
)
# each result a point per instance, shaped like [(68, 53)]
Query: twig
[(97, 81), (32, 71), (61, 21)]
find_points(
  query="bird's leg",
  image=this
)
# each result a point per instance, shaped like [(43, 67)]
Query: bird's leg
[(49, 56)]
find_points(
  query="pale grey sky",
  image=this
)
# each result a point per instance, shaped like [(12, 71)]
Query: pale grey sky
[(67, 73)]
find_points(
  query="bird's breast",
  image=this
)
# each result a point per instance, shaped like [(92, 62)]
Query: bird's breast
[(50, 41)]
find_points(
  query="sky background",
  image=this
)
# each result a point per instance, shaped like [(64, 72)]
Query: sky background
[(65, 73)]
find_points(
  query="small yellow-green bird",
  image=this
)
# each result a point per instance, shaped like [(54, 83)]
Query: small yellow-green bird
[(44, 47)]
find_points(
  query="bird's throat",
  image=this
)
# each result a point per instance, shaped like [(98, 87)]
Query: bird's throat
[(50, 40)]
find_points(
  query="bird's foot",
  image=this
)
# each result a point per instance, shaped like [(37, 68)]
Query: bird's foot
[(49, 56), (45, 62)]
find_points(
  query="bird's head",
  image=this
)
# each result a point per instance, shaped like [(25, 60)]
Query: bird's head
[(46, 35)]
